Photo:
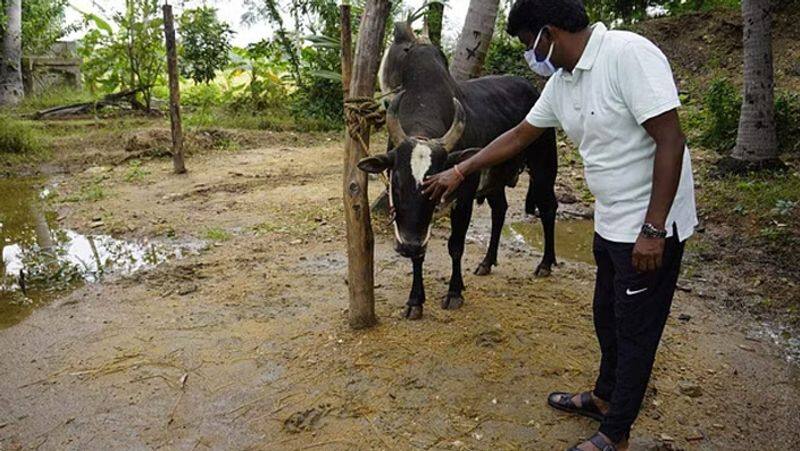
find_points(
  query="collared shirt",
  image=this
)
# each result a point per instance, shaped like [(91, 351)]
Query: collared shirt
[(620, 81)]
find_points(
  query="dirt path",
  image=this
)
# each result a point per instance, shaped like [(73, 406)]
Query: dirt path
[(246, 346)]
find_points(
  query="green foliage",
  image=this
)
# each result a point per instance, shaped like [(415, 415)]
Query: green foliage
[(205, 44), (132, 57), (617, 12), (42, 24), (506, 53), (18, 138), (217, 234), (787, 120), (136, 172), (317, 96), (267, 68), (722, 105)]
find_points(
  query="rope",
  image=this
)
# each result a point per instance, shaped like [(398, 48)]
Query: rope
[(360, 114)]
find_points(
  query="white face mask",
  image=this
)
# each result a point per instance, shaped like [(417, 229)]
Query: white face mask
[(544, 68)]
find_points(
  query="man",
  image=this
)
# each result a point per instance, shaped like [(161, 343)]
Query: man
[(613, 94)]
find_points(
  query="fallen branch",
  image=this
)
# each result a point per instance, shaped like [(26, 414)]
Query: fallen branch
[(116, 98)]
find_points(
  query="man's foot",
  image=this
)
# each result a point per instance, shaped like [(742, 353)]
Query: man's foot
[(599, 442), (585, 404)]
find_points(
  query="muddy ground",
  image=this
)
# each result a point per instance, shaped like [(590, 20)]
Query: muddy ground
[(245, 344)]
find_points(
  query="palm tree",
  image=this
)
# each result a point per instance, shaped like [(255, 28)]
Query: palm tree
[(11, 90), (757, 143), (475, 39)]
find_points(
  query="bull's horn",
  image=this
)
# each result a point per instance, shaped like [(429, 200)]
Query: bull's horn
[(393, 125), (425, 36), (450, 139)]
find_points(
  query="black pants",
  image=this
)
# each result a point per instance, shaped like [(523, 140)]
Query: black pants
[(630, 311)]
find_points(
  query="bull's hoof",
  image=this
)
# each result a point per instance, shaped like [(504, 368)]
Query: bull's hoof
[(543, 270), (413, 312), (483, 269), (452, 301)]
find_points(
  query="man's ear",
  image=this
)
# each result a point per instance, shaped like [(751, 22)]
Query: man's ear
[(376, 164), (453, 158)]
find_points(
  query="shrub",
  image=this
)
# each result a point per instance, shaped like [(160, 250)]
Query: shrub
[(721, 110), (722, 106), (18, 138), (787, 119)]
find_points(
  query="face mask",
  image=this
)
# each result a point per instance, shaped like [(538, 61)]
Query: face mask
[(544, 68)]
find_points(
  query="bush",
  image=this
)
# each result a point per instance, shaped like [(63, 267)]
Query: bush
[(202, 95), (787, 119), (18, 138), (722, 106)]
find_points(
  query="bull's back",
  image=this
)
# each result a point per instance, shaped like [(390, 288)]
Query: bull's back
[(497, 103)]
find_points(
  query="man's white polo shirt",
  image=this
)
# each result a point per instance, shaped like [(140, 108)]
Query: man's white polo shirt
[(620, 81)]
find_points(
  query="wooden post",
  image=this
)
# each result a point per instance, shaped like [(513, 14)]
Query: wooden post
[(174, 91), (360, 240), (347, 47)]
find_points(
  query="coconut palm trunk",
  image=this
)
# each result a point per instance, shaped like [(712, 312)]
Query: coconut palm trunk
[(757, 144), (475, 39), (11, 89)]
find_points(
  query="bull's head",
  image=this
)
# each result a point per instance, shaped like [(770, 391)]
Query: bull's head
[(390, 74), (408, 164)]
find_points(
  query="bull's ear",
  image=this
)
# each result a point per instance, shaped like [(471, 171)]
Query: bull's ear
[(455, 157), (376, 164)]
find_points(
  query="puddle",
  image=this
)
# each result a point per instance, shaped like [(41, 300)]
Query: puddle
[(40, 260), (573, 238)]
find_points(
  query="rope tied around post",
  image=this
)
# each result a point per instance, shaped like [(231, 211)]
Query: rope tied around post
[(360, 114)]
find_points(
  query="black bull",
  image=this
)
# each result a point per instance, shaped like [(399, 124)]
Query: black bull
[(437, 122)]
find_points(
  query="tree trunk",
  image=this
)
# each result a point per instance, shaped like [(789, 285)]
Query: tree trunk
[(433, 22), (757, 141), (360, 240), (475, 39), (174, 92), (11, 88)]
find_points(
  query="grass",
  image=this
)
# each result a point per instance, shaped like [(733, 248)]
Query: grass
[(221, 117), (53, 98), (21, 141), (92, 191), (217, 234), (135, 172)]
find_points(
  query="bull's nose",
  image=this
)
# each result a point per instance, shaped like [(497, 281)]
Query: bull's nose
[(410, 250)]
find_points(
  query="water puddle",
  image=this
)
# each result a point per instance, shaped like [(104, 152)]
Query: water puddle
[(40, 260), (573, 238)]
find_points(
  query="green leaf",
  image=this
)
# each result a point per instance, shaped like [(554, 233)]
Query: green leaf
[(326, 74)]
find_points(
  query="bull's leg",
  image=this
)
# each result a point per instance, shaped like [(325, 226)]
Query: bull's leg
[(417, 296), (459, 223), (542, 162), (548, 218), (499, 206), (544, 196)]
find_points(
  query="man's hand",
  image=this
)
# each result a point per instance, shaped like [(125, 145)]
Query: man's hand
[(647, 253), (440, 186)]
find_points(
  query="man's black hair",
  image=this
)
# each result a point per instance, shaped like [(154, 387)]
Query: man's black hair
[(532, 15)]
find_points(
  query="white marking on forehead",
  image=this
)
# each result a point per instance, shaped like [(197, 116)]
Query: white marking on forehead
[(420, 161)]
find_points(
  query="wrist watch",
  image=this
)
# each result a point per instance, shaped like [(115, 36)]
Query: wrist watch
[(651, 231)]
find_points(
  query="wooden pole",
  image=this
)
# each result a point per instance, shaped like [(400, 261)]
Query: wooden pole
[(347, 48), (174, 91), (360, 240)]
